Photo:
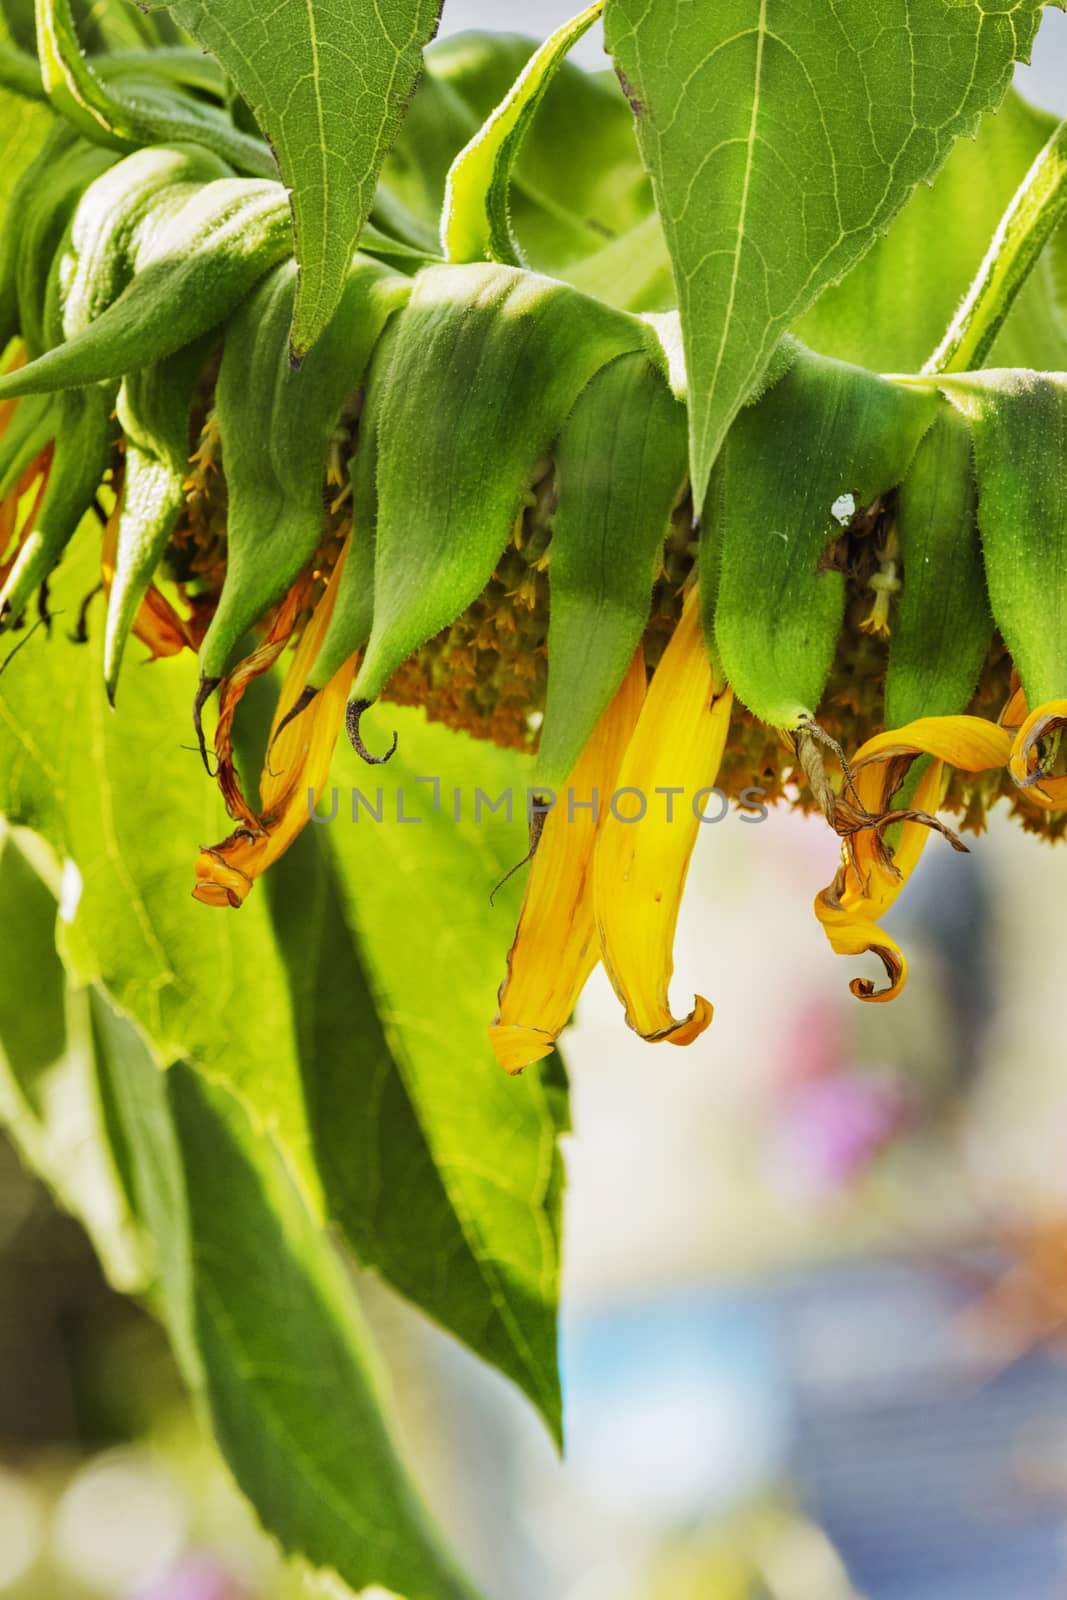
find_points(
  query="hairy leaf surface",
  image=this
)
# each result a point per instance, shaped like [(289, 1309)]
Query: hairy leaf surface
[(328, 86), (273, 1001), (783, 136), (268, 1328)]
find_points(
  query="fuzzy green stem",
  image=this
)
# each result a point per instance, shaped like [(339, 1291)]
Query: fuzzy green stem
[(1039, 204)]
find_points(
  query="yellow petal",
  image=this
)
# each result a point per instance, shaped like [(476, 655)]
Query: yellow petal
[(555, 946), (1049, 792), (516, 1047), (969, 743), (869, 879), (641, 866), (295, 773), (852, 934)]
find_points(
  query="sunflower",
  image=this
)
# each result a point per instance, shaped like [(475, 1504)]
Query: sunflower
[(473, 496)]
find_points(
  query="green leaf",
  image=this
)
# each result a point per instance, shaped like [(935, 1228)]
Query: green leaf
[(353, 615), (271, 1002), (780, 147), (577, 220), (620, 470), (199, 984), (941, 628), (113, 223), (269, 1330), (23, 130), (484, 367), (1019, 422), (384, 1108), (891, 310), (328, 85), (417, 896), (825, 441), (476, 222), (129, 112), (49, 1096)]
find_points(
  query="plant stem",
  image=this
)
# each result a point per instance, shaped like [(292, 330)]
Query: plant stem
[(1039, 204)]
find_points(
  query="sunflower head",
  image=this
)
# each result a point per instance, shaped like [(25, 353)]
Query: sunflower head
[(472, 495)]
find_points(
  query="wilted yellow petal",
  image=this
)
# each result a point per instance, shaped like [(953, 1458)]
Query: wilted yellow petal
[(970, 744), (852, 934), (555, 946), (641, 866), (297, 766), (871, 877), (1051, 791)]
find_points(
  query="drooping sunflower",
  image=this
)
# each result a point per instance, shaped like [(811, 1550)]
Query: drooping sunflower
[(473, 496)]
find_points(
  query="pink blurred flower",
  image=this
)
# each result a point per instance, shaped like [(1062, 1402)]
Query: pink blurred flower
[(198, 1576), (831, 1127)]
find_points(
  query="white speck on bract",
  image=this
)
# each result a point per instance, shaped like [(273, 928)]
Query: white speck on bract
[(844, 509)]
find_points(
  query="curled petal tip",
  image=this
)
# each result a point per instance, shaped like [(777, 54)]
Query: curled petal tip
[(1025, 765), (692, 1026), (205, 689), (218, 882), (896, 970), (682, 1032), (301, 703), (353, 715), (516, 1047)]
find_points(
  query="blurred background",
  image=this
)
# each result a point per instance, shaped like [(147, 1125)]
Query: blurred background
[(815, 1319)]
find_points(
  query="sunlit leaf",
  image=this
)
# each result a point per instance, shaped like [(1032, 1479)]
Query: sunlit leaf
[(779, 152), (417, 895), (328, 85), (268, 1329), (891, 310), (274, 1001)]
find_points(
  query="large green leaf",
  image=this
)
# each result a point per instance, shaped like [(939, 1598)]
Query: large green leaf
[(328, 85), (271, 1001), (200, 985), (418, 896), (891, 310), (267, 1327), (780, 145)]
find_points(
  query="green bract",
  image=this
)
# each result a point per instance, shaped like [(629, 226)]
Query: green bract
[(1019, 424), (275, 426)]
